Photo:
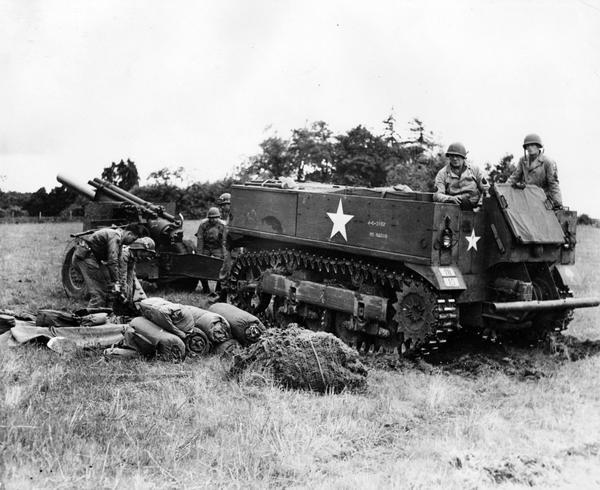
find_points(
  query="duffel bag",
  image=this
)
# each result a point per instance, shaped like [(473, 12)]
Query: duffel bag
[(212, 324), (168, 346), (171, 317), (245, 328)]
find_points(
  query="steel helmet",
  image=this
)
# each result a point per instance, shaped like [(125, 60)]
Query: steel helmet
[(532, 139), (225, 198), (145, 243), (214, 213), (457, 149)]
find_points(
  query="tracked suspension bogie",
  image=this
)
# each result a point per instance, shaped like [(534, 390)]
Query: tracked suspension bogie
[(370, 307)]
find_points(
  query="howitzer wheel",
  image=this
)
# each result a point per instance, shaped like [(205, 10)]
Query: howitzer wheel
[(72, 279)]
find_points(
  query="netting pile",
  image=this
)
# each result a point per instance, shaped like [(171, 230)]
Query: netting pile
[(302, 359)]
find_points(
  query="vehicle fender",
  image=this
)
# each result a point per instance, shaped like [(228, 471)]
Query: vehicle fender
[(569, 275), (443, 278)]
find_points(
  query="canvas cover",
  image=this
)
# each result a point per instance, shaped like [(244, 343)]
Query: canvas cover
[(527, 215)]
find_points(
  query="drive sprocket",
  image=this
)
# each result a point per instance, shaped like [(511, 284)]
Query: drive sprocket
[(415, 313)]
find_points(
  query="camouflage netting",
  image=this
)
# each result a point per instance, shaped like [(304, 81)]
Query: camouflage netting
[(302, 359)]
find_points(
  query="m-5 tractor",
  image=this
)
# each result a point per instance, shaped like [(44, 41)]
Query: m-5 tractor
[(389, 270), (176, 263)]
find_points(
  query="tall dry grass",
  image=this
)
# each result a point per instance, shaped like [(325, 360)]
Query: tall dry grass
[(88, 422)]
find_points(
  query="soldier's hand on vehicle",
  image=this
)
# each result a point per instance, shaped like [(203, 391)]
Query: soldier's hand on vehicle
[(455, 200)]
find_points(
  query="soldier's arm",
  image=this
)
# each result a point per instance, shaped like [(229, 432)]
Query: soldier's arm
[(200, 241), (440, 190), (553, 187), (224, 240), (113, 256), (516, 176)]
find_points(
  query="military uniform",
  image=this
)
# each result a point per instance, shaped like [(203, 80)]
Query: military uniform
[(98, 257), (470, 183), (541, 172), (212, 239), (131, 289)]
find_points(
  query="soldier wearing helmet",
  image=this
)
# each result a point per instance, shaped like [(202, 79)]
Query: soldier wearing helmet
[(224, 203), (459, 182), (98, 257), (212, 236), (131, 290), (535, 168)]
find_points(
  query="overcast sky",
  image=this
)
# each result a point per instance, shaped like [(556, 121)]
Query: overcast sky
[(201, 84)]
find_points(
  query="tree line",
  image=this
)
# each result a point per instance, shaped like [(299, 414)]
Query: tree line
[(311, 153)]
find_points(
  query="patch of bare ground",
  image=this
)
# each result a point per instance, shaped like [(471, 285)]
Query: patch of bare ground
[(469, 355)]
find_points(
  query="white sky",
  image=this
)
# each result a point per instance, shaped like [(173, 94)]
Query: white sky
[(195, 84)]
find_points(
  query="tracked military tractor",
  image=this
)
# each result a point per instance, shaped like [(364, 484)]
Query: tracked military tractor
[(176, 263), (394, 271)]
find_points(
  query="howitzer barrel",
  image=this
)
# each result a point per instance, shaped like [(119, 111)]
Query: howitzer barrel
[(547, 305), (76, 186), (110, 193), (123, 195)]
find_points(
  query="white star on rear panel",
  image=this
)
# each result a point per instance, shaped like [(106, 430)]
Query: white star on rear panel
[(339, 221), (472, 240)]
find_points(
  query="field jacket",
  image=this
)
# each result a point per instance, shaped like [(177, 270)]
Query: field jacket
[(105, 245), (541, 172), (469, 183)]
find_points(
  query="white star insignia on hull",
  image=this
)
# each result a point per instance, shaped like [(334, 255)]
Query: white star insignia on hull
[(472, 240), (339, 220)]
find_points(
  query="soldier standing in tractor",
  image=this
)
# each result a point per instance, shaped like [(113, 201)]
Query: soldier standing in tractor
[(212, 236), (459, 182), (535, 168), (98, 257)]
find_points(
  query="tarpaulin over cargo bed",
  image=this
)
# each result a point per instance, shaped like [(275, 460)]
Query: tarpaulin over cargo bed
[(527, 215)]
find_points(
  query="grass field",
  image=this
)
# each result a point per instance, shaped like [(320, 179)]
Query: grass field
[(526, 419)]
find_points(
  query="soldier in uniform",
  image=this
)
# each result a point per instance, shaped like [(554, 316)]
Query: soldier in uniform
[(459, 182), (98, 258), (535, 168), (131, 289), (212, 236), (224, 203)]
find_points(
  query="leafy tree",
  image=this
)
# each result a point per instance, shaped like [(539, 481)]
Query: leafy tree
[(360, 158), (37, 202), (311, 152), (584, 219), (122, 174), (500, 172)]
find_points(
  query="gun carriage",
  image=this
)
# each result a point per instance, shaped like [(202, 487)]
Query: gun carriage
[(176, 263)]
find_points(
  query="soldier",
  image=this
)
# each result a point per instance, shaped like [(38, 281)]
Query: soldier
[(212, 236), (535, 168), (224, 203), (131, 289), (459, 182), (98, 257)]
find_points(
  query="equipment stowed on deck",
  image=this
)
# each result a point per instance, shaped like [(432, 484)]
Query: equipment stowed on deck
[(176, 263)]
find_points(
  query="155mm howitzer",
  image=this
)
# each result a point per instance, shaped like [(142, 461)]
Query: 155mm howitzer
[(176, 263)]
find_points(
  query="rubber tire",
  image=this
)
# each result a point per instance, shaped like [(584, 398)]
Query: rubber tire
[(72, 280)]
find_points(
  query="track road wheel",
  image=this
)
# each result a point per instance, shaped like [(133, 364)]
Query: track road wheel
[(244, 290), (72, 279)]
